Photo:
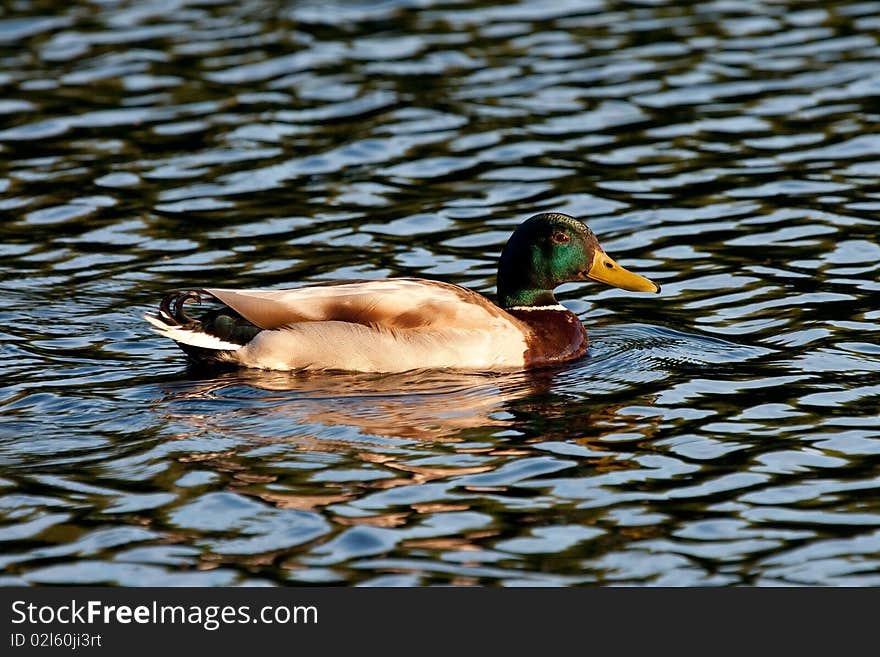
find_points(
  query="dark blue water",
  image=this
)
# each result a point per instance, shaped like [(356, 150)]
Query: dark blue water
[(725, 432)]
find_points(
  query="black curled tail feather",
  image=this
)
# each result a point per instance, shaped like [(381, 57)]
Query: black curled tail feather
[(224, 324), (171, 307)]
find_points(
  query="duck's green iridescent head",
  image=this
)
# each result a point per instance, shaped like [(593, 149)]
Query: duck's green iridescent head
[(550, 249)]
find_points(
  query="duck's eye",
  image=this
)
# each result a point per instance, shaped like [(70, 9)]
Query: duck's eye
[(560, 238)]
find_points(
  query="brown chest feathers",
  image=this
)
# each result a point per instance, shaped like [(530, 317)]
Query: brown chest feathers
[(554, 336)]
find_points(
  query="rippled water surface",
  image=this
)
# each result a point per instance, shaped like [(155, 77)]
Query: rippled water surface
[(724, 432)]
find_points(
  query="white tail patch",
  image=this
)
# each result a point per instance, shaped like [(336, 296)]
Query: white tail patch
[(557, 306), (190, 337)]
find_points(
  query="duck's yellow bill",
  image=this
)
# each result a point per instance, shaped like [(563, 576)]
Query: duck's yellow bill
[(605, 270)]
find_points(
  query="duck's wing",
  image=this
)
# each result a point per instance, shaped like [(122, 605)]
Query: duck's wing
[(397, 303)]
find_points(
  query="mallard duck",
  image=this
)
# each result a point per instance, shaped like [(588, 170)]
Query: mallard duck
[(401, 324)]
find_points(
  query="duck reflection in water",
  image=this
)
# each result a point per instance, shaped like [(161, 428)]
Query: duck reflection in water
[(428, 405), (385, 419)]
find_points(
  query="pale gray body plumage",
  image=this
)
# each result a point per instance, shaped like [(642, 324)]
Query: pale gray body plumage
[(390, 325)]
